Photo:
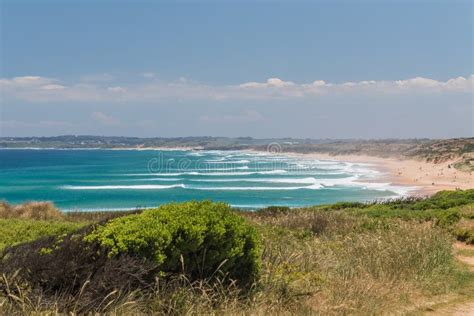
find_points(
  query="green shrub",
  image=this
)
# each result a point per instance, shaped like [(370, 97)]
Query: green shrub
[(465, 234), (447, 219), (197, 238), (345, 205), (445, 200), (15, 230)]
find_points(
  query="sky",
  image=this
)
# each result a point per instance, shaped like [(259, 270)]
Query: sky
[(305, 69)]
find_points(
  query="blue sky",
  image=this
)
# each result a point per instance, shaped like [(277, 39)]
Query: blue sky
[(315, 69)]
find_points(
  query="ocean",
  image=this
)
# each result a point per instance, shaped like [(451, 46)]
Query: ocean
[(129, 179)]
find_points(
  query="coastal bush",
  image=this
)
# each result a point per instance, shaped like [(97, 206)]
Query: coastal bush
[(274, 210), (100, 264), (444, 209), (314, 261), (442, 200), (344, 205), (465, 234), (447, 218), (445, 200), (16, 230), (77, 276), (464, 231), (198, 239)]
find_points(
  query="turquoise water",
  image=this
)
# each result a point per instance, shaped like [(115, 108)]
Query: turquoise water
[(127, 179)]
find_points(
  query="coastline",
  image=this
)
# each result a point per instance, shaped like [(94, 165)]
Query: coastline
[(427, 178)]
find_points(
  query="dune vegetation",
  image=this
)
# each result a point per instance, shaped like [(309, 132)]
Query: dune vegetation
[(206, 258)]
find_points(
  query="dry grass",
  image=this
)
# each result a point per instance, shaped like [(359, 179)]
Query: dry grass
[(31, 210), (314, 262), (43, 210), (339, 268)]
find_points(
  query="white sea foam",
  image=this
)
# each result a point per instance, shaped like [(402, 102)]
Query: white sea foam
[(306, 179), (122, 187), (312, 187), (216, 160), (167, 174), (314, 184), (230, 162), (195, 173), (309, 180), (210, 168), (153, 179)]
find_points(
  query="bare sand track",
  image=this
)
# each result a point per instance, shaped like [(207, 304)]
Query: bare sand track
[(465, 254)]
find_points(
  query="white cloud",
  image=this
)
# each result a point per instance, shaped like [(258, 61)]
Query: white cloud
[(43, 89), (53, 87), (417, 82), (25, 82), (31, 80), (272, 82), (319, 83)]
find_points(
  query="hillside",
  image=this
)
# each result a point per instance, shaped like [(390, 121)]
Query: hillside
[(345, 258)]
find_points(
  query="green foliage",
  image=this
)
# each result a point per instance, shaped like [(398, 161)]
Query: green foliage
[(198, 238), (442, 200), (345, 205), (445, 208), (371, 258), (465, 234), (447, 218), (445, 200), (14, 230)]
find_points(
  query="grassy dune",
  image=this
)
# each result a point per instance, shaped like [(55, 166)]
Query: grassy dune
[(345, 258)]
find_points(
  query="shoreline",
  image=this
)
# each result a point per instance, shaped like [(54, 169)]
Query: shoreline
[(427, 178)]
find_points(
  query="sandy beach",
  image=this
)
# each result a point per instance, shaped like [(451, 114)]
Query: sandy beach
[(428, 178)]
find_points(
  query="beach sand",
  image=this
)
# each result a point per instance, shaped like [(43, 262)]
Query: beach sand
[(427, 177)]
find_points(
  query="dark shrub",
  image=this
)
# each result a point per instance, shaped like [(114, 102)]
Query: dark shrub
[(72, 268), (196, 238), (344, 205), (465, 232), (98, 263), (274, 210)]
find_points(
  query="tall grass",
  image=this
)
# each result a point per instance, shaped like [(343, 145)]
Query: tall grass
[(30, 210), (323, 260), (348, 270)]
